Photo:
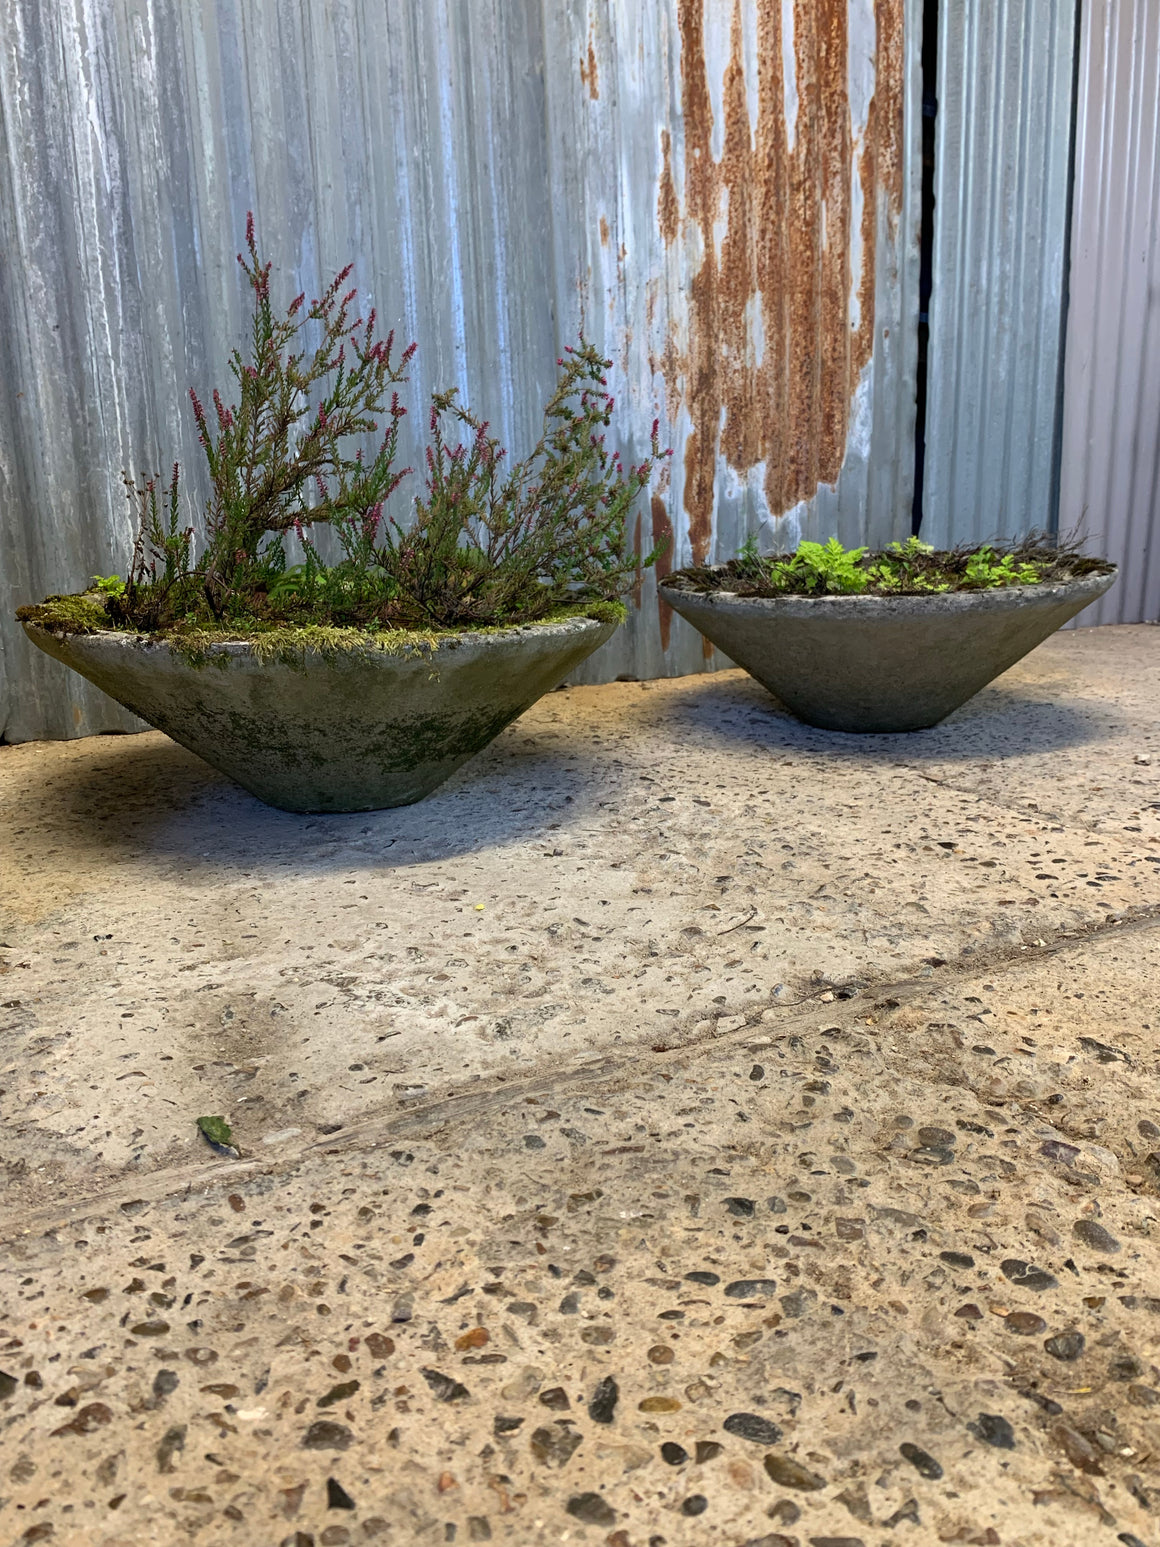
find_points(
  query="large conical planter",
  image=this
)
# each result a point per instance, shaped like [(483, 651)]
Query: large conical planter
[(349, 731), (882, 663)]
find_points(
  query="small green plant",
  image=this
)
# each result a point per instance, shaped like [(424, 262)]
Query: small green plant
[(828, 568), (486, 543), (814, 569), (748, 556), (986, 568), (910, 568), (109, 585)]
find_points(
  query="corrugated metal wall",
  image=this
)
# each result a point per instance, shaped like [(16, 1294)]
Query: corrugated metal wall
[(1003, 137), (721, 192), (1110, 472), (136, 134), (742, 234)]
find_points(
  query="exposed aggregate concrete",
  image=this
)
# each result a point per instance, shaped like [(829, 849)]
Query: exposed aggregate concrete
[(902, 1128)]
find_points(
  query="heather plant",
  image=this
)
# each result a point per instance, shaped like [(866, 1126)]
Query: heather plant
[(485, 543)]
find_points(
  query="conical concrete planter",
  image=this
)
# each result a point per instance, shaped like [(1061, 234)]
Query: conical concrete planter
[(353, 731), (882, 663)]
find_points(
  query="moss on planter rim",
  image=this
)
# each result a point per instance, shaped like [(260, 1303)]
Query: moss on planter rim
[(86, 614)]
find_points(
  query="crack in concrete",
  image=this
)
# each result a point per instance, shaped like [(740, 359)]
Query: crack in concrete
[(428, 1121)]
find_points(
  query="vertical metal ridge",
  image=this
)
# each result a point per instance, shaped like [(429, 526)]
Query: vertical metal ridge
[(1003, 136), (1110, 456)]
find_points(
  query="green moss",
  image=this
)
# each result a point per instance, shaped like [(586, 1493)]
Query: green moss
[(83, 614), (291, 646), (602, 612)]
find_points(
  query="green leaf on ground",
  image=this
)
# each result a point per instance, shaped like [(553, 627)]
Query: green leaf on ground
[(218, 1133)]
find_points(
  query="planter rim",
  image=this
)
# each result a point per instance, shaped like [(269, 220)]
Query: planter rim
[(943, 601), (391, 645)]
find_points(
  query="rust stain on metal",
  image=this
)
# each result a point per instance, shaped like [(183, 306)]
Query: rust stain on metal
[(773, 357), (589, 73), (668, 206), (603, 231), (662, 531), (880, 165)]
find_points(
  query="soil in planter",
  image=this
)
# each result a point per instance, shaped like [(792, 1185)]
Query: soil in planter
[(903, 569)]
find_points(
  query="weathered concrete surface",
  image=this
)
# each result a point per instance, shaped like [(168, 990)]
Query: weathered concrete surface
[(353, 730), (882, 663), (174, 1359), (511, 1162), (628, 866)]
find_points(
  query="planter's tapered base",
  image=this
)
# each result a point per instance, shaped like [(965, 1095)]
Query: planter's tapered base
[(882, 663), (353, 731)]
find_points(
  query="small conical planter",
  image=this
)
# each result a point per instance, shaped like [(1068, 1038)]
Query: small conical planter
[(882, 663), (349, 730)]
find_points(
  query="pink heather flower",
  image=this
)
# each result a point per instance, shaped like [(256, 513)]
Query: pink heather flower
[(249, 228)]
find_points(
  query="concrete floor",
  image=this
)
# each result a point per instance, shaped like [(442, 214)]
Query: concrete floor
[(860, 1031)]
